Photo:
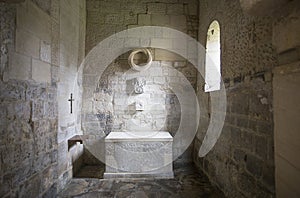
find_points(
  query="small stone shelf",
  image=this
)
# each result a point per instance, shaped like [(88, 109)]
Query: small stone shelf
[(73, 140)]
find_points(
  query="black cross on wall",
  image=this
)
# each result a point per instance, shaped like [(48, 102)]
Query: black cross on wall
[(71, 102)]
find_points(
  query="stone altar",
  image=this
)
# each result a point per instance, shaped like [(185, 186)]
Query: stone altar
[(138, 155)]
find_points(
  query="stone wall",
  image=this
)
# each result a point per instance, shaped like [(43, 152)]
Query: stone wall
[(103, 107), (286, 28), (28, 103), (105, 18), (162, 110), (31, 62), (70, 45), (157, 97), (241, 163)]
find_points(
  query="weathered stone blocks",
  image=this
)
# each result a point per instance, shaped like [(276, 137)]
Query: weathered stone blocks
[(29, 95), (246, 151), (29, 137)]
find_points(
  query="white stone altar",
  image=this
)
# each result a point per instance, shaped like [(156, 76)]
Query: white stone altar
[(138, 155)]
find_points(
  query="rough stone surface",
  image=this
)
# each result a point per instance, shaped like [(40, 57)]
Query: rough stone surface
[(33, 163), (28, 117), (188, 182), (7, 23), (28, 138), (245, 147), (102, 20), (41, 71)]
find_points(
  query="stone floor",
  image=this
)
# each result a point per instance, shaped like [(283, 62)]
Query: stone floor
[(188, 182)]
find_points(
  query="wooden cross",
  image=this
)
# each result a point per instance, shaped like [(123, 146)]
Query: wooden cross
[(71, 101)]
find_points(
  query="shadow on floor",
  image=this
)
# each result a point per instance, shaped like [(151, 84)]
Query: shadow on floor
[(91, 171)]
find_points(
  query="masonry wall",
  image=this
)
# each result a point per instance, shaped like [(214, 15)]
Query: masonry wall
[(69, 42), (105, 18), (29, 92), (28, 103), (103, 107), (241, 163)]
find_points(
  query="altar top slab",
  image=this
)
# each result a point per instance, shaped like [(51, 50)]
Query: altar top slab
[(139, 136)]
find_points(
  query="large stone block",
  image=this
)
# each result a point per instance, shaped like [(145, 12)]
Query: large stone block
[(45, 52), (27, 43), (69, 37), (144, 19), (160, 19), (164, 43), (41, 71), (138, 154), (34, 20), (19, 67)]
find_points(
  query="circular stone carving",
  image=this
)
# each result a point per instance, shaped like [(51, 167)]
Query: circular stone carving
[(143, 66)]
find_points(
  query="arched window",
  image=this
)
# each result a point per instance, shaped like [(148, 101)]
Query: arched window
[(213, 58)]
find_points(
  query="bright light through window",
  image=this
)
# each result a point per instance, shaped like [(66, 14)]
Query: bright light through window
[(213, 58)]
